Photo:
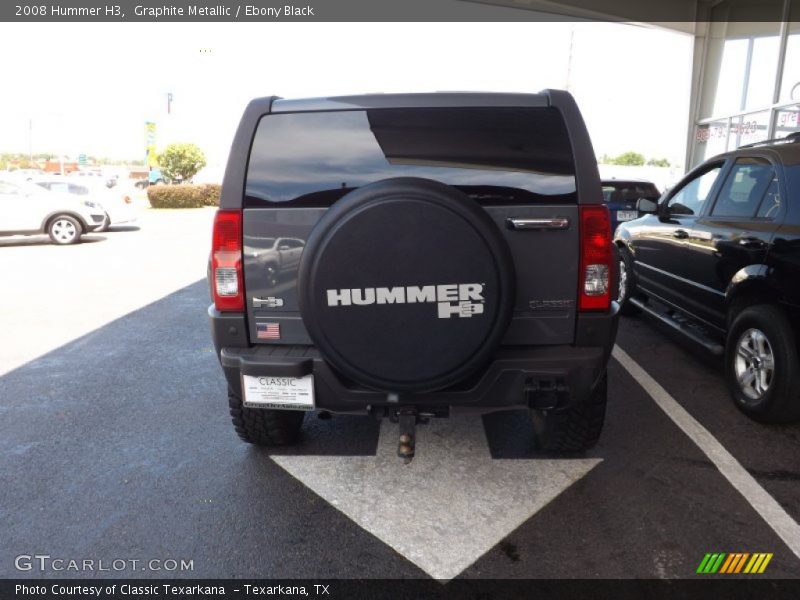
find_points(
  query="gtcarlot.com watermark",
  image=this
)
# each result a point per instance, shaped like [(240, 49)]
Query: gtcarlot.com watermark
[(44, 563)]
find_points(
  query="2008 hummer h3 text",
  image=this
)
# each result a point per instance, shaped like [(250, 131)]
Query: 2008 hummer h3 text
[(441, 253)]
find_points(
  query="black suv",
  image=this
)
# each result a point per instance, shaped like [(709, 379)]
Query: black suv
[(453, 254), (720, 260)]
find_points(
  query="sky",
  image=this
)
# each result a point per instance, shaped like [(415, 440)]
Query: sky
[(89, 87)]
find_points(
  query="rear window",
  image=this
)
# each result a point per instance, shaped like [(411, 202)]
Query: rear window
[(495, 155), (625, 191)]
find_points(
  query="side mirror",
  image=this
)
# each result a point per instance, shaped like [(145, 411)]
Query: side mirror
[(646, 206)]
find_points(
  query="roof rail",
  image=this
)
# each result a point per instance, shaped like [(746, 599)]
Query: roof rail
[(792, 138)]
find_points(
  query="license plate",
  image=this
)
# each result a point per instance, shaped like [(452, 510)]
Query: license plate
[(287, 393), (627, 215)]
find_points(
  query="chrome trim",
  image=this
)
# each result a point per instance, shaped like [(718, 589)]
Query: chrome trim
[(529, 224)]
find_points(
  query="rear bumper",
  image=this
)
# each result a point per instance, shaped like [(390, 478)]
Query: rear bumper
[(548, 377), (117, 216)]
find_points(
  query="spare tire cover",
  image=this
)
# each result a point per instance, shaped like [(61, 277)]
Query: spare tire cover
[(406, 285)]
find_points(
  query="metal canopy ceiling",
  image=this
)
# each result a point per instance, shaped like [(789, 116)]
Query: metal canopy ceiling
[(678, 15)]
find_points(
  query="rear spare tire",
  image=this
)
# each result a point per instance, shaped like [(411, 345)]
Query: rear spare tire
[(406, 285)]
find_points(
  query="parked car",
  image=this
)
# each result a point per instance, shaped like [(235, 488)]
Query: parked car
[(441, 252), (21, 174), (621, 195), (155, 177), (28, 209), (277, 257), (117, 202), (86, 175), (718, 260)]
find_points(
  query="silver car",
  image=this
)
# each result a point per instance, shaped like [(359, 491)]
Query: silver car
[(118, 202), (28, 209)]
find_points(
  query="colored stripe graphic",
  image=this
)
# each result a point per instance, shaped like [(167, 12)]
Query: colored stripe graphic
[(755, 561), (734, 562), (726, 565), (740, 564), (703, 563), (717, 564), (713, 564), (764, 564), (731, 567)]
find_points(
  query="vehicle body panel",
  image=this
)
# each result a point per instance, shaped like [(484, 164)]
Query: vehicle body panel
[(522, 177)]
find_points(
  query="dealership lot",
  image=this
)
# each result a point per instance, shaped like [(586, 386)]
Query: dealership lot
[(116, 446)]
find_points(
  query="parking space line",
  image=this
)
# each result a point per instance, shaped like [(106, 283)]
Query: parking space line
[(765, 505)]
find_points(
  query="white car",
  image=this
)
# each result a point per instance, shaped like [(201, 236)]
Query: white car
[(118, 202), (93, 176), (27, 209), (21, 174)]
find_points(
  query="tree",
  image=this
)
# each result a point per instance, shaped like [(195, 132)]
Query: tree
[(629, 158), (181, 161), (658, 162)]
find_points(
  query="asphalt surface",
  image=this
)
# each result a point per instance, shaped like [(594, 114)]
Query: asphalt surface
[(116, 444)]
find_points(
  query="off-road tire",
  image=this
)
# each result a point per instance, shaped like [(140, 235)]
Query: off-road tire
[(262, 426), (781, 402), (625, 307), (576, 428)]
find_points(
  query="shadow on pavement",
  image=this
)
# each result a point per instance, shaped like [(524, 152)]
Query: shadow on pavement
[(43, 240)]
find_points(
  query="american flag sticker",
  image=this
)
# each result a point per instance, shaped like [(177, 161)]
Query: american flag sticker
[(268, 331)]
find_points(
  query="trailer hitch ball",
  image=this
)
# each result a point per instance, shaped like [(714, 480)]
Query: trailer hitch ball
[(407, 422)]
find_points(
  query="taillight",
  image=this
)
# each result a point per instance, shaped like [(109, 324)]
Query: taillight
[(226, 261), (595, 274)]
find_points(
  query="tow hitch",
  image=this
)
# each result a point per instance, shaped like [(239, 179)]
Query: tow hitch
[(407, 419)]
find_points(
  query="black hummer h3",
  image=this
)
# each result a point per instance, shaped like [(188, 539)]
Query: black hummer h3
[(413, 256)]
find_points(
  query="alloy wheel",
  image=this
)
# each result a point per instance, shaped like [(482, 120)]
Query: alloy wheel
[(64, 231), (755, 363)]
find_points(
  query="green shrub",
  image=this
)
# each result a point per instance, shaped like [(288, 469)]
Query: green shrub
[(183, 196), (211, 192)]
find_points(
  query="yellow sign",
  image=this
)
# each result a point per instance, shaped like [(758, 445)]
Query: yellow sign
[(152, 157), (150, 147)]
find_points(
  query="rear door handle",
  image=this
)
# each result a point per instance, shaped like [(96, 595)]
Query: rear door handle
[(520, 224), (680, 234), (751, 242)]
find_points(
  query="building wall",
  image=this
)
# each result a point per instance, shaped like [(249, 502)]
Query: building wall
[(749, 64)]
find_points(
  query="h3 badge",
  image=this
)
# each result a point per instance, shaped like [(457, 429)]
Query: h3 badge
[(269, 302)]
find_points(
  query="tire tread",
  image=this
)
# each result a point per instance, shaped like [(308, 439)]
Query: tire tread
[(578, 427), (783, 403), (264, 427)]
